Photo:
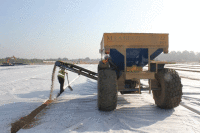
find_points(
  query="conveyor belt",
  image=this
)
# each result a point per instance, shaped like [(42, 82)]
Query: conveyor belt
[(77, 69)]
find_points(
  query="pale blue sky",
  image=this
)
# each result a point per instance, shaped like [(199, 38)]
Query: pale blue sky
[(74, 28)]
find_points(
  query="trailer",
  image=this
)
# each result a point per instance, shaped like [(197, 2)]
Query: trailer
[(123, 57)]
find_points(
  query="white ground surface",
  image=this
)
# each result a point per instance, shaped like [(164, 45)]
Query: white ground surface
[(24, 88)]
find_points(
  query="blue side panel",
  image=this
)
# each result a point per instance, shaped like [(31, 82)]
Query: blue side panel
[(156, 53), (117, 58), (136, 56)]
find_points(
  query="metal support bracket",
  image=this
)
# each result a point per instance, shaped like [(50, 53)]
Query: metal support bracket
[(139, 88), (149, 86)]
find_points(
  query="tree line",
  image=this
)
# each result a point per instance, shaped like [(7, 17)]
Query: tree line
[(177, 56), (21, 60), (40, 61)]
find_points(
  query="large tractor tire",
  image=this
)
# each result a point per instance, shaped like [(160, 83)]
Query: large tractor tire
[(107, 90), (170, 93)]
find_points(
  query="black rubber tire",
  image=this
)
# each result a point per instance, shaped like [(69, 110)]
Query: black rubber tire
[(103, 66), (107, 90), (171, 89)]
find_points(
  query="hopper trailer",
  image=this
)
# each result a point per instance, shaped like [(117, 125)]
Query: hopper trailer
[(123, 58)]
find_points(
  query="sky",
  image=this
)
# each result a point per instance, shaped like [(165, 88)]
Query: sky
[(74, 28)]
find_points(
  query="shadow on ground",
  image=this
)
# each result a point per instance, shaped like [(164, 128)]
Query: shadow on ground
[(191, 86)]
